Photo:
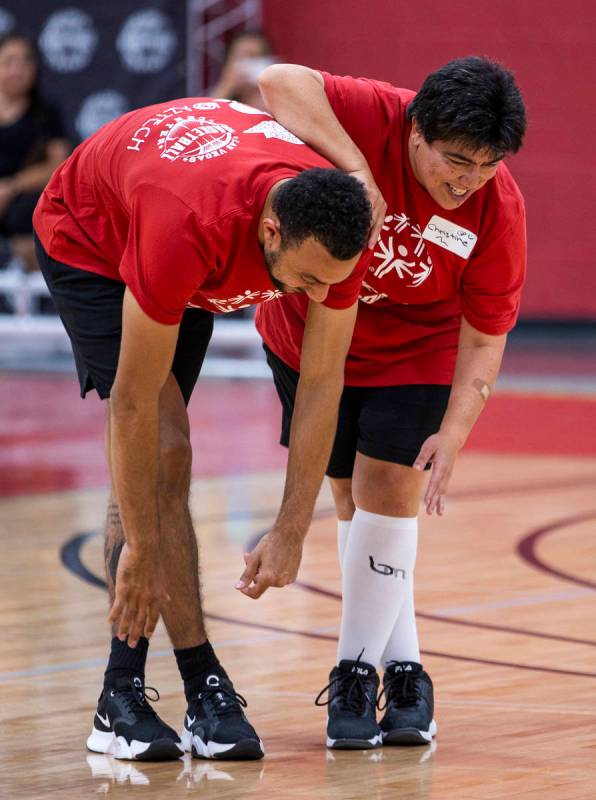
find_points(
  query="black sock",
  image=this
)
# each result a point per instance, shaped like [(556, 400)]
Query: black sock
[(194, 664), (125, 661)]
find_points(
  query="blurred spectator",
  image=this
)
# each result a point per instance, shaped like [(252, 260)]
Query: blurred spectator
[(247, 56), (32, 143)]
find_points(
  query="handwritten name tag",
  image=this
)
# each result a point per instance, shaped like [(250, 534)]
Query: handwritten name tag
[(452, 237)]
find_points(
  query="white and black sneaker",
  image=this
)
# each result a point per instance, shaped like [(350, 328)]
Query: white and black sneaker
[(352, 724), (215, 725), (125, 725), (409, 704)]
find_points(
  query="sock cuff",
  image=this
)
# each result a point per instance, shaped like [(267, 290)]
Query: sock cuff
[(382, 521)]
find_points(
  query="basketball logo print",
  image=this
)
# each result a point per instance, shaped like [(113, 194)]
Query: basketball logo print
[(196, 139)]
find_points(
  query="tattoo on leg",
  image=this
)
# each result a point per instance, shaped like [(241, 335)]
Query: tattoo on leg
[(113, 544), (114, 517), (112, 554)]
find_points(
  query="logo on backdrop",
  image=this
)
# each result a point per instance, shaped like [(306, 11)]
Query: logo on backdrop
[(147, 41), (68, 40), (99, 108), (196, 139), (6, 21)]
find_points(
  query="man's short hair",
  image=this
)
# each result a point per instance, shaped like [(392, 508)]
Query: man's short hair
[(327, 204), (474, 101)]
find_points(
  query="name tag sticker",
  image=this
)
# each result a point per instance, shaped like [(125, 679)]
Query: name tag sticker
[(450, 236)]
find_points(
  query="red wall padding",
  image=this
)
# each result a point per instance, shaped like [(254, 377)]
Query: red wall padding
[(551, 47)]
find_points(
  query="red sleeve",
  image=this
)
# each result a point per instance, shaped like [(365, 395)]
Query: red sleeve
[(492, 282), (163, 263), (345, 294), (370, 111)]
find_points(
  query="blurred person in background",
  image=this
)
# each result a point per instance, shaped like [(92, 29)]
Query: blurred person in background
[(435, 308), (248, 54), (32, 144)]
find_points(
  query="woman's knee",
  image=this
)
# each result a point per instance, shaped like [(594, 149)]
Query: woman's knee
[(341, 489)]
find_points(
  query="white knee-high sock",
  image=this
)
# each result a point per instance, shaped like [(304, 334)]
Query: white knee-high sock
[(403, 642), (343, 530), (380, 555)]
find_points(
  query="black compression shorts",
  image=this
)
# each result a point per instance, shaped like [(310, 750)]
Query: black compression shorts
[(386, 422)]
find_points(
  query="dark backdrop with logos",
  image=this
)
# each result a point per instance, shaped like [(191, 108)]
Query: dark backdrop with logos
[(101, 59)]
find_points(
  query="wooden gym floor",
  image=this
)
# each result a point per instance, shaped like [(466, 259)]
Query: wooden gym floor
[(505, 596)]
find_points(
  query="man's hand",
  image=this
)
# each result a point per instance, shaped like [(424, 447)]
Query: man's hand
[(274, 562), (440, 450), (140, 593), (377, 203)]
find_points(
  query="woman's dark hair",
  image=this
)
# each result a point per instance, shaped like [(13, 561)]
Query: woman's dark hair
[(251, 33), (328, 205), (474, 101)]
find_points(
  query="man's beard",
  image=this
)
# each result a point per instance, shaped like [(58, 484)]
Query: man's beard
[(271, 259)]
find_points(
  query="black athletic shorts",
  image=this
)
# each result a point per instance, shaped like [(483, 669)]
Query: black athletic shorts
[(90, 307), (386, 422)]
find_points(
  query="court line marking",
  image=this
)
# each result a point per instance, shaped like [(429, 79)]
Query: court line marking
[(88, 663), (497, 705), (70, 555), (467, 623), (516, 602), (71, 558), (526, 549)]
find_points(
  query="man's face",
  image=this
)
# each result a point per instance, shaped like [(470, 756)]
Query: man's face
[(450, 171), (307, 268)]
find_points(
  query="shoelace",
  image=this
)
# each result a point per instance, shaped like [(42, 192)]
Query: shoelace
[(137, 697), (223, 700), (402, 688), (351, 688)]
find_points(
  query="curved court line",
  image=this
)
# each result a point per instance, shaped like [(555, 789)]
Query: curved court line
[(526, 549), (309, 587), (517, 488), (70, 555)]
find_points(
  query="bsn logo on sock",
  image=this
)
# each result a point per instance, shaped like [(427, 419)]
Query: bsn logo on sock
[(385, 569)]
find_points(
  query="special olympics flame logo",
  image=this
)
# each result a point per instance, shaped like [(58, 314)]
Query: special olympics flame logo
[(196, 139)]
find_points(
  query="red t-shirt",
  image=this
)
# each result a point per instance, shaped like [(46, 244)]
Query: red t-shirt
[(167, 199), (430, 266)]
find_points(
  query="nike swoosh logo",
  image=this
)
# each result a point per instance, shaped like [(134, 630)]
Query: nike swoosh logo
[(105, 721), (190, 722)]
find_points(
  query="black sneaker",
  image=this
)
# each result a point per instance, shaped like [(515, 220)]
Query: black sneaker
[(409, 704), (352, 724), (215, 725), (125, 725)]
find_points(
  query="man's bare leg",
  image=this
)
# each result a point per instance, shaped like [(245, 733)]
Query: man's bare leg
[(204, 733), (182, 615)]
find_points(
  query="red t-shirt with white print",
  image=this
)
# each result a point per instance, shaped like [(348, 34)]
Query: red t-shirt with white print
[(430, 265), (167, 199)]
